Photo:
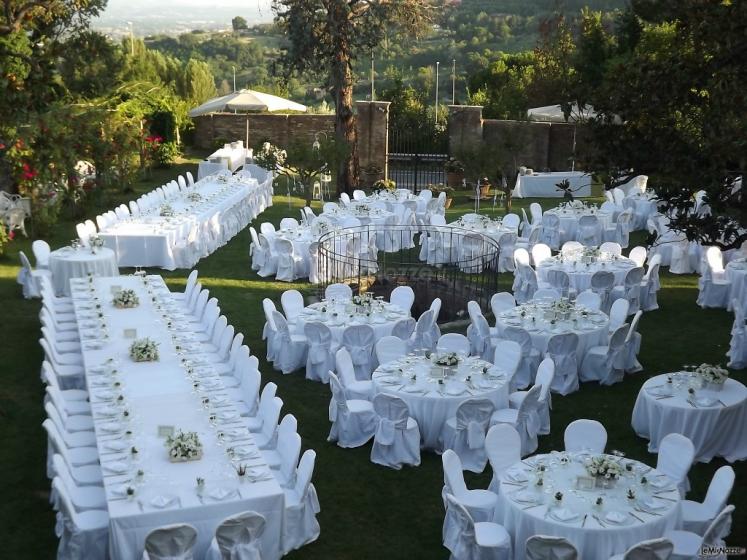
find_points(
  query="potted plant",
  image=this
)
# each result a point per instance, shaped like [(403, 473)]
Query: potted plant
[(438, 189), (371, 174), (454, 172)]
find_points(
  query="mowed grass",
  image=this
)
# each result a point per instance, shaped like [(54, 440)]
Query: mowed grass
[(367, 511)]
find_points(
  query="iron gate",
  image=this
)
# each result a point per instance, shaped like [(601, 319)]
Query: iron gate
[(417, 153)]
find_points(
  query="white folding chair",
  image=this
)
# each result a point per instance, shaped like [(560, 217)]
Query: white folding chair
[(545, 547), (354, 422), (320, 355), (238, 536), (697, 516), (175, 542), (86, 531), (465, 432), (390, 348), (301, 506), (503, 448), (397, 438), (585, 435), (676, 455)]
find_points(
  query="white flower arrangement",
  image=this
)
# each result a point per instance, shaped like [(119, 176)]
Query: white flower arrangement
[(144, 350), (604, 467), (184, 446), (96, 242), (126, 299), (363, 300), (446, 359), (166, 210), (710, 373), (194, 197)]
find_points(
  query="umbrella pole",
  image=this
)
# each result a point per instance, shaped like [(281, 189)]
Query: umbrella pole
[(246, 145), (573, 156)]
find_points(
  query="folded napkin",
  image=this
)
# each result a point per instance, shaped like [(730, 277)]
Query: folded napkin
[(115, 445), (161, 502), (115, 467), (705, 401), (526, 497), (105, 395), (220, 493), (616, 517), (652, 504), (111, 427), (455, 391), (564, 514)]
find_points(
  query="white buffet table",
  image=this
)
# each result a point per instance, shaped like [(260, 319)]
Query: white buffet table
[(713, 420), (162, 393), (544, 184), (526, 509)]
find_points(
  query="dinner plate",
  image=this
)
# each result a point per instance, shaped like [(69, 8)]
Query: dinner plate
[(563, 514), (526, 497), (163, 501), (617, 518)]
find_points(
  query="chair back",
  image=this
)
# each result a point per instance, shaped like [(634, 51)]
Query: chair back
[(546, 294), (292, 304), (719, 490), (171, 542), (359, 341), (544, 377), (719, 529), (638, 255), (393, 411), (453, 342), (41, 252), (715, 260), (404, 328), (319, 340), (585, 435), (453, 473), (676, 454), (338, 291), (503, 447), (536, 212), (521, 256), (289, 223), (403, 297), (544, 547), (238, 536), (611, 247), (501, 302), (619, 312), (540, 252), (570, 247), (654, 549), (589, 299), (390, 348), (507, 357)]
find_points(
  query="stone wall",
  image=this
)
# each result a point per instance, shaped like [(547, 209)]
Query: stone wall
[(538, 145), (372, 120)]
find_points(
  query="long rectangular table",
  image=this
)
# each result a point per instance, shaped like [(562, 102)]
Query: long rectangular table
[(196, 228), (545, 184), (161, 393)]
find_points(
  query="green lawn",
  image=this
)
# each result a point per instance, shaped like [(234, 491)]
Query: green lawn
[(367, 511)]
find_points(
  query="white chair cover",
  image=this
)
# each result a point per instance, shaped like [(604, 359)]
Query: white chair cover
[(544, 547), (602, 284), (359, 341), (172, 542), (423, 336), (638, 255), (503, 448), (614, 249), (320, 356), (289, 263), (481, 504), (292, 303), (526, 288), (390, 348), (403, 296), (530, 357), (589, 299), (585, 435), (355, 420), (354, 388), (270, 329), (467, 540), (654, 549), (650, 285), (562, 349), (697, 516), (737, 352), (632, 346), (606, 364), (340, 292), (453, 342), (523, 420), (465, 433), (237, 537), (397, 438), (714, 285), (676, 454), (301, 506), (290, 350), (501, 302), (83, 535), (404, 328)]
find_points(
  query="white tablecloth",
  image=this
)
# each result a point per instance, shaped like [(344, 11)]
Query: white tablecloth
[(580, 273), (544, 184), (162, 394), (645, 207), (431, 403), (382, 321), (67, 263), (526, 509), (713, 420), (152, 240), (301, 239), (569, 221), (592, 331), (231, 158)]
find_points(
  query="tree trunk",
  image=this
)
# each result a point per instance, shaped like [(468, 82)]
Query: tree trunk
[(342, 83)]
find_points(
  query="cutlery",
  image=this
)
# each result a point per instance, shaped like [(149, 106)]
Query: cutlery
[(721, 402), (664, 397), (599, 521), (691, 403), (636, 517), (533, 506), (584, 521), (514, 483), (647, 512)]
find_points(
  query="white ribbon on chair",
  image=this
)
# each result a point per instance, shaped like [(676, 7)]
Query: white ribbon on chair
[(475, 435), (386, 431)]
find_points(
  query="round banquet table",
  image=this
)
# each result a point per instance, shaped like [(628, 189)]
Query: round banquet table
[(374, 216), (569, 221), (645, 207), (67, 263), (526, 509), (736, 272), (580, 273), (592, 327), (381, 320), (714, 420), (301, 238), (416, 380)]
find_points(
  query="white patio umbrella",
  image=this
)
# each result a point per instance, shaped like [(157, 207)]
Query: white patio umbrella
[(246, 100)]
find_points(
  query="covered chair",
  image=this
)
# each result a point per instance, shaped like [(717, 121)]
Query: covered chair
[(690, 545), (632, 346), (468, 540), (602, 284), (530, 356), (544, 378), (291, 348), (540, 252), (526, 284), (41, 251), (544, 547), (503, 448), (551, 232), (238, 537), (585, 435), (292, 303), (501, 302), (301, 506), (589, 230), (714, 285), (339, 292), (404, 328), (465, 432), (423, 337), (453, 342), (481, 504), (390, 348), (650, 285), (359, 341), (737, 352), (354, 388), (171, 542), (83, 535), (355, 420), (654, 549), (676, 455), (562, 349), (289, 264), (403, 297), (321, 351), (506, 359), (30, 279), (589, 300), (523, 420), (631, 291), (606, 364), (697, 516), (397, 438)]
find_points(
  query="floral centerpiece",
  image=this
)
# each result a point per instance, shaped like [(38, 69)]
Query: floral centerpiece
[(194, 197), (446, 359), (713, 376), (95, 242), (144, 350), (364, 300), (166, 210), (184, 446), (386, 186), (126, 299), (604, 468)]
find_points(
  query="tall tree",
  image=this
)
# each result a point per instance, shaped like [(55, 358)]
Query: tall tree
[(328, 36)]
